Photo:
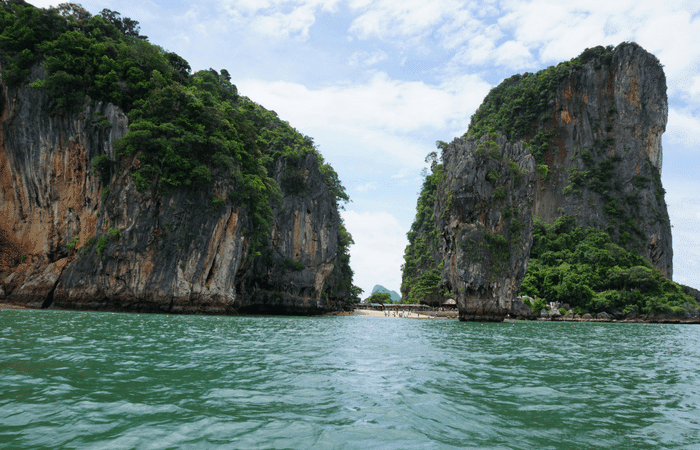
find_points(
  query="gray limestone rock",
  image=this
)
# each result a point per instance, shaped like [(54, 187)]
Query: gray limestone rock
[(485, 220), (603, 316), (616, 314), (520, 310)]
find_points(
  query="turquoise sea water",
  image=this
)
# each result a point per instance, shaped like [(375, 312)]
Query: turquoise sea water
[(127, 381)]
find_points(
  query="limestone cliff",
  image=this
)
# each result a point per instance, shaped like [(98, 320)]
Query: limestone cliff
[(70, 239), (587, 136), (605, 153), (484, 214)]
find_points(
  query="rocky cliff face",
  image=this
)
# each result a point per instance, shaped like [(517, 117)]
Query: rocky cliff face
[(605, 154), (484, 212), (69, 242), (586, 137)]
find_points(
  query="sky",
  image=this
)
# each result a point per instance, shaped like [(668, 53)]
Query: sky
[(377, 83)]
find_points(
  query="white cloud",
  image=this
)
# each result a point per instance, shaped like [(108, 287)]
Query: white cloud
[(251, 7), (365, 188), (480, 49), (463, 27), (382, 113), (684, 210), (392, 18), (513, 54), (277, 18), (377, 255), (686, 252), (683, 127), (367, 58), (280, 25), (694, 89)]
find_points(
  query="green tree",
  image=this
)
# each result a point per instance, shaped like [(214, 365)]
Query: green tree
[(126, 26), (355, 293), (379, 297)]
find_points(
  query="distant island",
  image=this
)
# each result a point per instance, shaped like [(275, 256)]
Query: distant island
[(395, 296)]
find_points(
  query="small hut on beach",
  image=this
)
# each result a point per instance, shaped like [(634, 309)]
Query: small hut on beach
[(449, 303)]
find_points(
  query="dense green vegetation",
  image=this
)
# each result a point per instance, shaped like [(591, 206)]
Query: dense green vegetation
[(425, 287), (584, 268), (420, 271), (187, 130), (344, 281)]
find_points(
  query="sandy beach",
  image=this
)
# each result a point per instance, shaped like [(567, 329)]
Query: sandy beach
[(411, 315)]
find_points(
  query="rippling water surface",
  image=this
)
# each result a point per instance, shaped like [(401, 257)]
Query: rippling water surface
[(128, 381)]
